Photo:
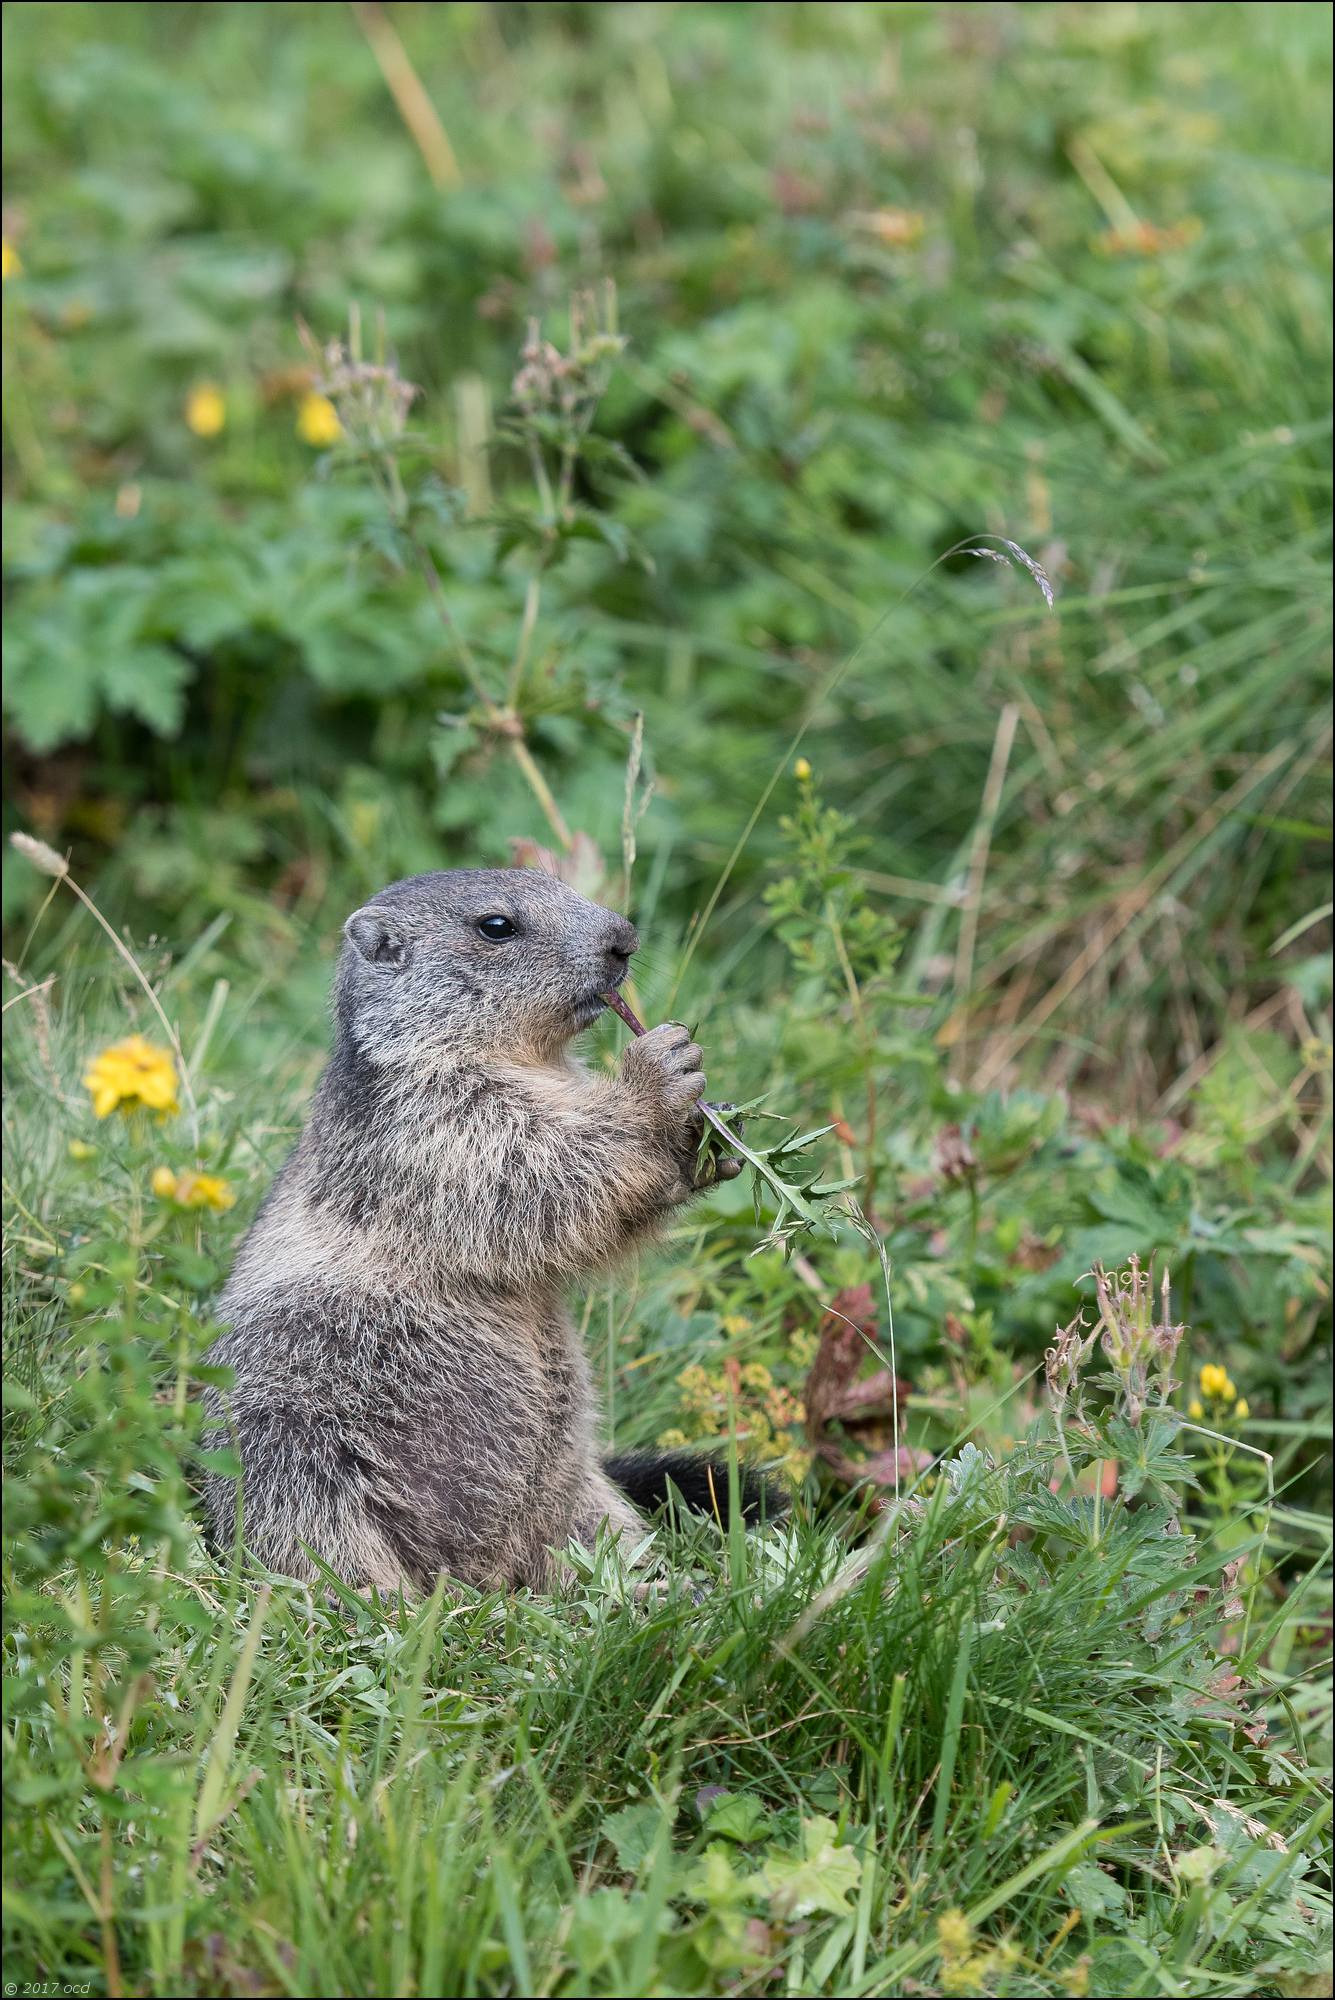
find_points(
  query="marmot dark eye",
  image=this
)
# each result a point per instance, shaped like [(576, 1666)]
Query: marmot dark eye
[(496, 928)]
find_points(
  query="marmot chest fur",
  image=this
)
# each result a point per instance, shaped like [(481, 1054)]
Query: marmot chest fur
[(409, 1394)]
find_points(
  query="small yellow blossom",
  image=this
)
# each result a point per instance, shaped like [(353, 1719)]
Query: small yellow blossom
[(205, 410), (130, 1073), (1242, 1409), (79, 1149), (317, 421), (735, 1323), (11, 264), (964, 1977), (192, 1190), (204, 1191), (802, 1346), (1196, 1409), (802, 770), (954, 1934), (1214, 1379)]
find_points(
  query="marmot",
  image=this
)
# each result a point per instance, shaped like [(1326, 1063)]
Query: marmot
[(410, 1396)]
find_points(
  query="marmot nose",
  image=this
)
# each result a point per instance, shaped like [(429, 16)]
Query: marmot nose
[(622, 940)]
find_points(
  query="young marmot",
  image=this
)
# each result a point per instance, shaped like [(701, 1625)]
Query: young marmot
[(409, 1394)]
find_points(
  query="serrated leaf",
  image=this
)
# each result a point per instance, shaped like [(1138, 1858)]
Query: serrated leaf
[(820, 1877), (738, 1816), (632, 1833), (148, 682), (796, 1144)]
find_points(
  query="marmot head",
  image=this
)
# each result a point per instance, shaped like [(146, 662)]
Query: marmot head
[(473, 961)]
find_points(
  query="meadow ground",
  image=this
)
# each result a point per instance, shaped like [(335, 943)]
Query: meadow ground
[(1023, 909)]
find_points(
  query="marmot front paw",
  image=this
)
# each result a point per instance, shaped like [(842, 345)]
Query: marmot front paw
[(667, 1064)]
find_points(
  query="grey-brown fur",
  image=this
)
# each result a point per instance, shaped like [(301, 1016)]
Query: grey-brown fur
[(410, 1396)]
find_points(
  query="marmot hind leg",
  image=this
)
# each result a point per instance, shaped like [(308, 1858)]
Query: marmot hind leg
[(602, 1502), (296, 1495)]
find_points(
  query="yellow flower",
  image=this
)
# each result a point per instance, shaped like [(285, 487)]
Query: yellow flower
[(317, 421), (131, 1072), (11, 264), (802, 770), (77, 1293), (79, 1149), (205, 1191), (735, 1323), (1196, 1409), (192, 1190), (1214, 1379), (1242, 1409), (205, 410)]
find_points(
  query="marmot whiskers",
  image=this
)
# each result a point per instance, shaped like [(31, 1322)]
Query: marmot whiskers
[(409, 1394)]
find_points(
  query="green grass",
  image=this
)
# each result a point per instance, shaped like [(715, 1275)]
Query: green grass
[(1044, 938)]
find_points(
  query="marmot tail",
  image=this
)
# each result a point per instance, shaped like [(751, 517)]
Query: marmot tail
[(700, 1479)]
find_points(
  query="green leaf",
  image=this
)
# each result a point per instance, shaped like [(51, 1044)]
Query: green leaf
[(148, 682), (821, 1877), (738, 1816), (632, 1832)]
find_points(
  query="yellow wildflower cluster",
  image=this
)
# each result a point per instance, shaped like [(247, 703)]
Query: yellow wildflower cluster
[(132, 1073), (744, 1394), (1217, 1387), (969, 1965), (189, 1190), (317, 421)]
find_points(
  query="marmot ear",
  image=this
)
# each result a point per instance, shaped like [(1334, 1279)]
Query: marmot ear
[(373, 932)]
